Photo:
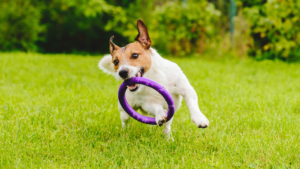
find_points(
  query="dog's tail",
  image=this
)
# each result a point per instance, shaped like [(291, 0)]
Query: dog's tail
[(106, 64)]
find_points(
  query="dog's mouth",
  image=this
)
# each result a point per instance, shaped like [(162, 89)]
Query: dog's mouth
[(134, 87)]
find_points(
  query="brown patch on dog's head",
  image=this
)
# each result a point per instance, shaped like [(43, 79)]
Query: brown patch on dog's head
[(135, 54), (132, 54)]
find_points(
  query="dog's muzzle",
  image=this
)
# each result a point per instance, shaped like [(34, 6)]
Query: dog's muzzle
[(134, 87)]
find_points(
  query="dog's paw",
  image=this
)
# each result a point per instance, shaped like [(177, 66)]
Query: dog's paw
[(161, 118), (169, 137), (160, 121), (200, 121)]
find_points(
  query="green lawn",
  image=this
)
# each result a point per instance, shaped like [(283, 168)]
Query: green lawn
[(60, 111)]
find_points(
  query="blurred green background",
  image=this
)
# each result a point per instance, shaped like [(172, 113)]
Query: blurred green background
[(261, 29)]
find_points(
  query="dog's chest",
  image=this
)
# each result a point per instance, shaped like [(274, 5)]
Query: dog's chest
[(148, 96)]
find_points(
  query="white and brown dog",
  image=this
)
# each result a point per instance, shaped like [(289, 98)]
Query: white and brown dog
[(139, 59)]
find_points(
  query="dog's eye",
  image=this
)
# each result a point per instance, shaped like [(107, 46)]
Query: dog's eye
[(116, 62), (135, 55)]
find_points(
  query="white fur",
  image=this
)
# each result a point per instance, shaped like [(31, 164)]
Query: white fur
[(106, 65), (167, 74)]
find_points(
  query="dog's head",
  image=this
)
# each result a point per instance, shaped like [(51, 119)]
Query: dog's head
[(134, 59)]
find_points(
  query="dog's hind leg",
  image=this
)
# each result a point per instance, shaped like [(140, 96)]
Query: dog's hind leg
[(191, 100), (167, 130)]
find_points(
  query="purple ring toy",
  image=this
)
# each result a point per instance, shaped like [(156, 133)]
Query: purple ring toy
[(152, 84)]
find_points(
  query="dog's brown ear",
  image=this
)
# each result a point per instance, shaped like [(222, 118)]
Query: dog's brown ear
[(143, 36), (112, 46)]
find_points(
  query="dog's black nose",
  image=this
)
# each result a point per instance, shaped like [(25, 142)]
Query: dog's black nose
[(123, 73)]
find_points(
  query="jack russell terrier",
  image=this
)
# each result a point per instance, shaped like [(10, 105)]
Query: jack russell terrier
[(139, 59)]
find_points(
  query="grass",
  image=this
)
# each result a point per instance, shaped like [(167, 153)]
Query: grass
[(60, 111)]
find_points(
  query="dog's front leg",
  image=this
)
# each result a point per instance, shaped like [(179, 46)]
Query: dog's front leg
[(124, 116), (191, 100), (157, 110)]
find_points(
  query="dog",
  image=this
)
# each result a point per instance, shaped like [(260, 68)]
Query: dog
[(139, 59)]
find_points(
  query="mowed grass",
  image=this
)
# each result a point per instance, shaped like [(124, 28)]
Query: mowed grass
[(60, 111)]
